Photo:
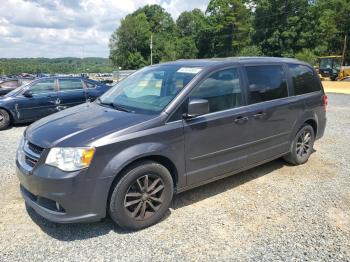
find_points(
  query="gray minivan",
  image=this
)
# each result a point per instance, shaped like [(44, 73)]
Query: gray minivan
[(165, 129)]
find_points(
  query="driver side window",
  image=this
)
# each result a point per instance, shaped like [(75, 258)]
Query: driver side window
[(222, 89), (44, 86)]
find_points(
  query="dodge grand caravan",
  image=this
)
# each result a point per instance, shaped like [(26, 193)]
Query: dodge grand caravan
[(165, 129)]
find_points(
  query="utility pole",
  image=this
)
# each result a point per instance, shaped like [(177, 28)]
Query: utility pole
[(344, 51), (151, 46)]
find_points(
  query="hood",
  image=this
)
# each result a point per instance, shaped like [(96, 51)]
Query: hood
[(80, 125), (4, 99)]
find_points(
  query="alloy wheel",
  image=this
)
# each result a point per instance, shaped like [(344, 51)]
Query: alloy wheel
[(1, 117), (304, 144), (144, 197)]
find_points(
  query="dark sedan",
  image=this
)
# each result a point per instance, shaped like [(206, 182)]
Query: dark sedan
[(46, 96)]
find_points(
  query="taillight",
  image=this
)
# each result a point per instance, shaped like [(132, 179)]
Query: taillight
[(325, 102)]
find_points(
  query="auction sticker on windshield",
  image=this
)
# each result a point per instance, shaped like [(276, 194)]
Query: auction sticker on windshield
[(189, 70)]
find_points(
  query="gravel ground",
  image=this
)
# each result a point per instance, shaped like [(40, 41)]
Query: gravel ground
[(273, 212)]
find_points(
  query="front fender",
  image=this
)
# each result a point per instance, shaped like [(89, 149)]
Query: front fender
[(110, 163), (11, 110), (135, 152)]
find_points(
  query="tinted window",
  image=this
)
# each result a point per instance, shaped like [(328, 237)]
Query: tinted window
[(222, 89), (266, 83), (70, 84), (90, 85), (44, 86), (304, 80)]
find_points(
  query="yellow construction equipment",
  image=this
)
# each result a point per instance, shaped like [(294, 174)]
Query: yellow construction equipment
[(333, 67)]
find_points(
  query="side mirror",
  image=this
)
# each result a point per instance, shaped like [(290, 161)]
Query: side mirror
[(28, 94), (197, 107)]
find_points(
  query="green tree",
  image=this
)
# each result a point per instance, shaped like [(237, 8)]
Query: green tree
[(192, 27), (229, 22), (333, 23), (159, 20), (130, 41), (252, 50), (163, 28), (191, 23), (186, 48), (307, 55), (283, 28)]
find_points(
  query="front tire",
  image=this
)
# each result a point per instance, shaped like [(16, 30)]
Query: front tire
[(142, 196), (5, 119), (302, 146)]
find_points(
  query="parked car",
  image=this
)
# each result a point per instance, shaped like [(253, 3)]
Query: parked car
[(165, 129), (6, 86), (46, 96)]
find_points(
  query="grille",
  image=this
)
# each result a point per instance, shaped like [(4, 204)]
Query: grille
[(31, 161), (32, 154), (36, 149)]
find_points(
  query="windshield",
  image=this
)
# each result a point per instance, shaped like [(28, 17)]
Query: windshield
[(17, 90), (330, 63), (14, 91), (149, 90)]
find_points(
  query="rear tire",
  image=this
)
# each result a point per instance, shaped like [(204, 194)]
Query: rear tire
[(302, 146), (142, 196), (5, 119)]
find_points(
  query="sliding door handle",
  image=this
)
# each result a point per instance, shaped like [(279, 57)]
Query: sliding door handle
[(241, 119)]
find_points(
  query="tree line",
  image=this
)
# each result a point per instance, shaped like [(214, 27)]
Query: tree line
[(66, 65), (304, 29)]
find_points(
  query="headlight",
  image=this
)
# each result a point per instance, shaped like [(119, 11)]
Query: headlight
[(20, 153), (70, 159)]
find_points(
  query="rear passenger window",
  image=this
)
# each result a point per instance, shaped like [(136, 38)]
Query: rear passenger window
[(70, 84), (304, 80), (90, 85), (266, 83), (222, 89)]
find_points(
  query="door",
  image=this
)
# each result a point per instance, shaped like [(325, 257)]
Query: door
[(214, 143), (93, 91), (272, 112), (43, 101), (71, 92)]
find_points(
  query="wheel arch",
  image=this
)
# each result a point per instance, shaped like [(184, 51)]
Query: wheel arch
[(10, 114), (163, 160), (308, 118), (312, 122)]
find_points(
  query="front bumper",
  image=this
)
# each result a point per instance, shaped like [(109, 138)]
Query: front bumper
[(64, 197)]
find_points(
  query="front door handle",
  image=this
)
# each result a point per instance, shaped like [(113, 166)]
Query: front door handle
[(60, 108), (241, 119), (259, 115)]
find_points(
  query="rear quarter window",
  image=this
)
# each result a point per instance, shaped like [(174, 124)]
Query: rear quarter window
[(304, 79)]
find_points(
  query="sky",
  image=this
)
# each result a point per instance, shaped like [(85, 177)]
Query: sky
[(61, 28)]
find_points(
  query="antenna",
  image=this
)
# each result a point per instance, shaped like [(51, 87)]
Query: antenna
[(151, 46), (344, 52)]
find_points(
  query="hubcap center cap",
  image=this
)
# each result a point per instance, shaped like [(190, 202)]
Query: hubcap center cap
[(144, 196)]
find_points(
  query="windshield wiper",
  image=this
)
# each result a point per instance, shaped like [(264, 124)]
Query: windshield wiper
[(121, 108), (115, 106)]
